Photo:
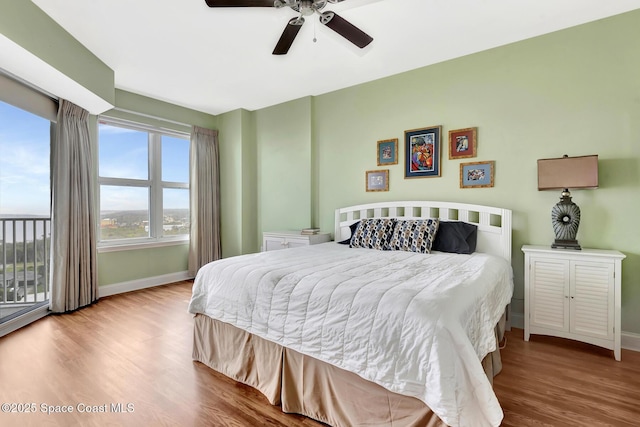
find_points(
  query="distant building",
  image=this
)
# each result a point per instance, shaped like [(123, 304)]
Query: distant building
[(108, 223)]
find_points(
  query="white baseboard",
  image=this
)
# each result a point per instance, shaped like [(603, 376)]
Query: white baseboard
[(147, 282), (22, 321), (630, 341)]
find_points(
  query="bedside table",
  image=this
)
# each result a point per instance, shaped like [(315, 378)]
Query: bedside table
[(573, 294), (274, 240)]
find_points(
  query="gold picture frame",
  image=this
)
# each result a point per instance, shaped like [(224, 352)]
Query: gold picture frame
[(463, 143), (477, 174), (388, 152), (377, 180)]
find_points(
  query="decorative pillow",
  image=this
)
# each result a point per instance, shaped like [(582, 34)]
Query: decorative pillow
[(414, 235), (373, 233), (353, 229), (456, 237)]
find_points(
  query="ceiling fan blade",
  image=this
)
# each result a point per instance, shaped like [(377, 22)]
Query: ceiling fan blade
[(346, 29), (239, 3), (288, 36)]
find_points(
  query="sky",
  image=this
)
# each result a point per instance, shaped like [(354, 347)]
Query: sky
[(24, 162), (123, 153), (24, 165)]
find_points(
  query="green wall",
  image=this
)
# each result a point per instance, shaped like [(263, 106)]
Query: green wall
[(572, 92), (266, 173), (284, 166), (238, 182), (128, 265)]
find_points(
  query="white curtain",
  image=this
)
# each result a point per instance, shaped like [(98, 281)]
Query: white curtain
[(204, 186), (73, 217)]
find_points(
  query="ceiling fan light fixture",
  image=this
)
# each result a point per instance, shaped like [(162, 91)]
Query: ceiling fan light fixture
[(326, 17), (306, 7)]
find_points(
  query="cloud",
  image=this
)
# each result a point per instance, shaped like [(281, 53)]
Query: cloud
[(24, 164), (123, 198), (24, 159)]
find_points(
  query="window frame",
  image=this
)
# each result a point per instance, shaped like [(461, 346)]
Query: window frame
[(153, 183)]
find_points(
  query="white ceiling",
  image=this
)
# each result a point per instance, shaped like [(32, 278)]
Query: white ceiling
[(219, 59)]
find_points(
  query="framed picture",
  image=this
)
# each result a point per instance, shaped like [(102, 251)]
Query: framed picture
[(422, 152), (378, 180), (388, 152), (477, 174), (463, 143)]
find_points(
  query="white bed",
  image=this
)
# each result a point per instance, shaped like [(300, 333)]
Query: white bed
[(410, 324)]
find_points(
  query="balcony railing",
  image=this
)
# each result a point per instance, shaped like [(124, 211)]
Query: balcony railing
[(24, 263)]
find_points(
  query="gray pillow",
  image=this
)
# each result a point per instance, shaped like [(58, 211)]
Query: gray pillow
[(456, 237)]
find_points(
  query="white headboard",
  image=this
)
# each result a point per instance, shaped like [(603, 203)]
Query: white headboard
[(494, 224)]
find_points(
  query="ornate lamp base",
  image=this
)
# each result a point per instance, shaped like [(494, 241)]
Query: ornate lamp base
[(565, 218)]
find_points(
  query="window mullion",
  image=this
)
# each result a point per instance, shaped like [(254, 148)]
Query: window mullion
[(125, 182), (155, 168), (169, 184)]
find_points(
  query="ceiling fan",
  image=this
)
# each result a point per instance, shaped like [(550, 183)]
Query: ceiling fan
[(305, 8)]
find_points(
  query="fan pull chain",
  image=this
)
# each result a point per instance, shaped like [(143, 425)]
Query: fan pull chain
[(314, 32)]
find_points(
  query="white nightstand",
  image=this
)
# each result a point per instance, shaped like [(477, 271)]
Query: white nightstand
[(274, 240), (573, 294)]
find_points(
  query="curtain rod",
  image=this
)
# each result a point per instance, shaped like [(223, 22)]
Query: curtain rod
[(30, 85), (136, 123), (149, 116)]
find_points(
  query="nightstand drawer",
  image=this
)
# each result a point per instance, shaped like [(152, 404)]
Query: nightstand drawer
[(274, 240)]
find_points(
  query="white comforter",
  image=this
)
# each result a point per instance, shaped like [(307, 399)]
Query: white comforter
[(415, 324)]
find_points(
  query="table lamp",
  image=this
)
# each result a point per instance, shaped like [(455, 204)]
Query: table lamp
[(562, 174)]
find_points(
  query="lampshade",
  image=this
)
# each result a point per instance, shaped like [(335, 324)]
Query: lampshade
[(568, 172), (562, 174)]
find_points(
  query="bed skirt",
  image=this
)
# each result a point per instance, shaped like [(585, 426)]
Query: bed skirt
[(303, 385)]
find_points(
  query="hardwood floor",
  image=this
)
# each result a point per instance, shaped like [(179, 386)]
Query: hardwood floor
[(133, 352), (557, 382)]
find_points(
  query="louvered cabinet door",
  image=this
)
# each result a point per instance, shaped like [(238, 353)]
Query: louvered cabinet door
[(549, 294), (592, 299)]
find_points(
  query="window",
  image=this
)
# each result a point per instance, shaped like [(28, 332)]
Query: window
[(25, 199), (24, 177), (144, 183)]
